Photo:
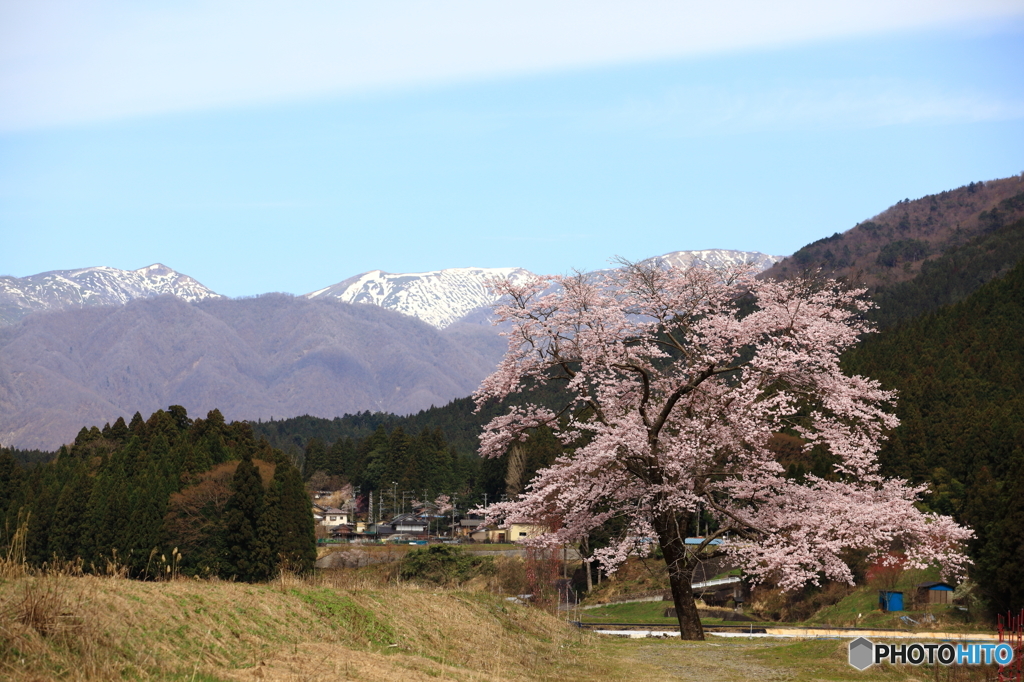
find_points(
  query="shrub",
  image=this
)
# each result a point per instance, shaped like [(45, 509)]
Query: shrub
[(444, 565)]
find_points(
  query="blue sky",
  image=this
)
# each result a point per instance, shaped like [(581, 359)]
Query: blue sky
[(270, 149)]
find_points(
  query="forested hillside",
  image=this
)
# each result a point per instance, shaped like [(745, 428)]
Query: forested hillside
[(200, 497), (893, 246), (951, 277), (960, 377), (428, 453)]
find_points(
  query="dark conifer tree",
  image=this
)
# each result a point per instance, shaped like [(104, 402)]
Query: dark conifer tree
[(404, 461), (10, 481), (267, 552), (368, 453), (119, 431), (242, 514), (196, 458), (340, 458), (135, 457), (218, 451), (108, 508), (148, 504), (435, 462), (70, 519), (999, 568), (137, 425), (180, 418), (297, 548), (316, 457), (43, 493)]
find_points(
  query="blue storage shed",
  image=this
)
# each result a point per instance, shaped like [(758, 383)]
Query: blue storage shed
[(890, 601)]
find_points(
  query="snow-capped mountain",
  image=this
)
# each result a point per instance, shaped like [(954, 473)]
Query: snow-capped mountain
[(442, 297), (717, 258), (63, 289), (439, 297)]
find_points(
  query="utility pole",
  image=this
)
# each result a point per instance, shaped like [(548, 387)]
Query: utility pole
[(454, 497)]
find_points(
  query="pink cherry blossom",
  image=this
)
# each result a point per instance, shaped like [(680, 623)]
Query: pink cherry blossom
[(676, 379)]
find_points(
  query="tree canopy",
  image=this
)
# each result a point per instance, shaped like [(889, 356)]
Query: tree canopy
[(680, 382)]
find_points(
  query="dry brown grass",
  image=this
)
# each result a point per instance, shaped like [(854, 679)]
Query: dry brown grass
[(346, 625), (340, 625)]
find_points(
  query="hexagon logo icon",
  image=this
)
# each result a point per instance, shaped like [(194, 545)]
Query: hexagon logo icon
[(862, 653)]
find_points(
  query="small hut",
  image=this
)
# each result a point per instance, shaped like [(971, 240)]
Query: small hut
[(934, 593), (889, 600)]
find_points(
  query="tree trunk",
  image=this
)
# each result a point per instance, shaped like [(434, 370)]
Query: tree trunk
[(585, 546), (671, 530)]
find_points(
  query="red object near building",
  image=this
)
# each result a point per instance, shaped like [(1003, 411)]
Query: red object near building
[(1011, 631)]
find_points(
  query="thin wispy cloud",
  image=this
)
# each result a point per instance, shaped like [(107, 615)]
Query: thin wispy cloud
[(834, 105), (65, 62)]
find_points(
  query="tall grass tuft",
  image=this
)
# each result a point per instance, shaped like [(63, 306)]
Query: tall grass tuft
[(13, 563)]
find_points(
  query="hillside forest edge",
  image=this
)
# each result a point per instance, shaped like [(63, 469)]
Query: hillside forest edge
[(210, 498)]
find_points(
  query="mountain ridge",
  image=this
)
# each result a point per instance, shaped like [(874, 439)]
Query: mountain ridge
[(893, 246), (443, 297), (272, 355), (93, 286)]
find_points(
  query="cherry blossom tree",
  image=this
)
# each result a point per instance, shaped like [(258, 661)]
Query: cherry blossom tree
[(677, 380), (445, 504)]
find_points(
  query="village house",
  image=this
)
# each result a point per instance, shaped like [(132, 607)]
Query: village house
[(409, 524), (334, 517), (513, 533), (524, 531), (468, 525)]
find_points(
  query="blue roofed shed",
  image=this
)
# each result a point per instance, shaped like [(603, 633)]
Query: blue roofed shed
[(935, 593)]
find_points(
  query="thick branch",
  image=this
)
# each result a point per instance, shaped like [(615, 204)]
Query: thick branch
[(642, 408)]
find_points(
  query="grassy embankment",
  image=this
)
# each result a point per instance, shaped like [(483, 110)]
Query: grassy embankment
[(60, 626), (101, 628), (347, 627), (354, 624)]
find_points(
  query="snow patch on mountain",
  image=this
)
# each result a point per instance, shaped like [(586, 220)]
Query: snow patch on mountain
[(717, 258), (443, 297), (64, 289), (438, 297)]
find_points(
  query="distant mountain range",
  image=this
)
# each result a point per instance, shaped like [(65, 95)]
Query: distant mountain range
[(113, 342), (442, 297), (273, 355), (439, 298), (67, 289)]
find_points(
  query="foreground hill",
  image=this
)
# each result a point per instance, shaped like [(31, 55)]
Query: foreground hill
[(343, 628), (251, 358), (92, 628)]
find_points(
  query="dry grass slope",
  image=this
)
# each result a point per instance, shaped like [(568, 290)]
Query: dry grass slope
[(59, 626)]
